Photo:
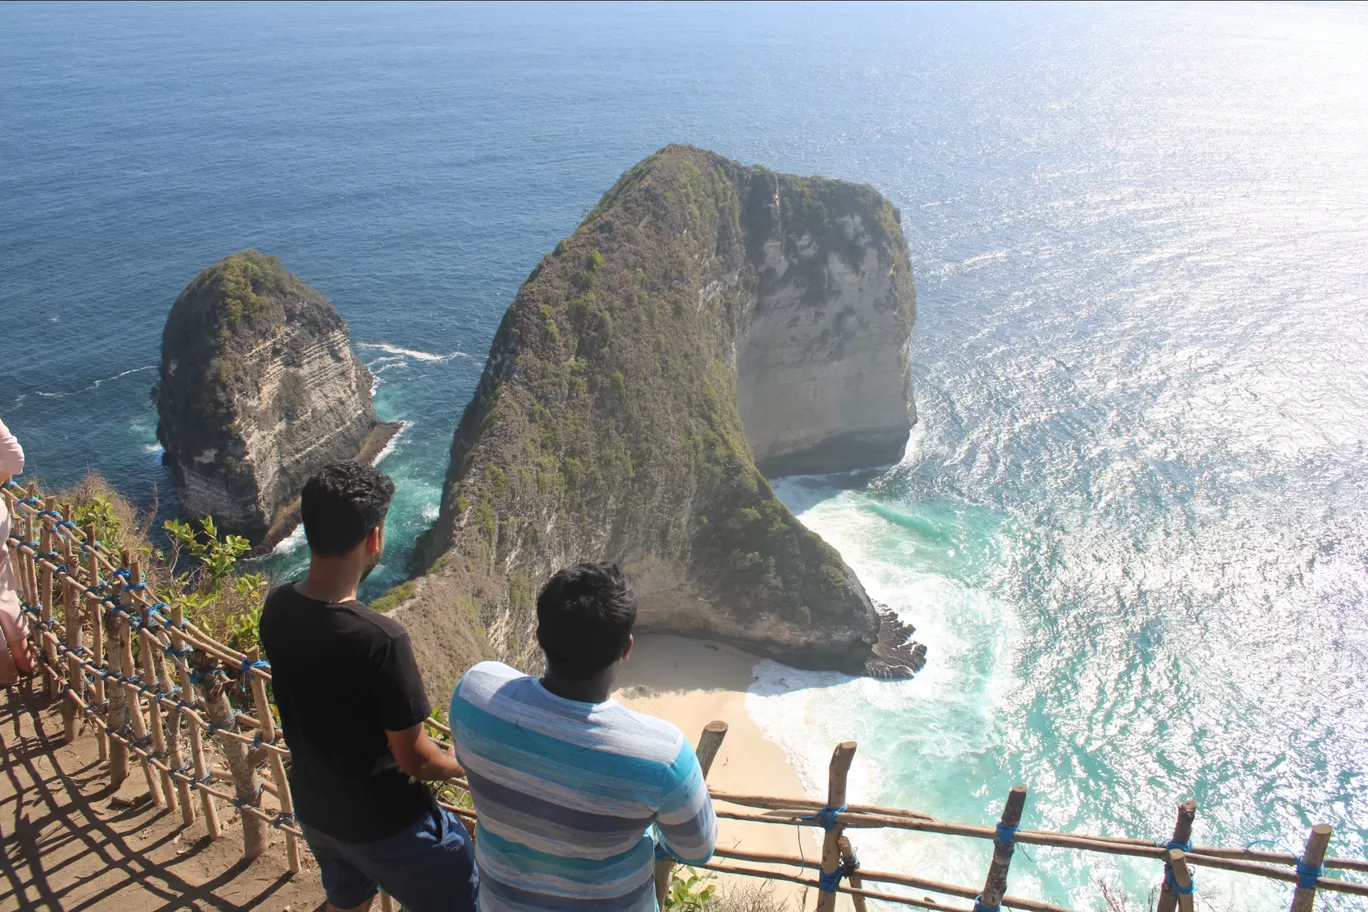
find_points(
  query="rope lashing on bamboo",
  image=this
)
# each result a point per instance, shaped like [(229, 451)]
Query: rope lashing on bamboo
[(247, 666), (1307, 876), (826, 817)]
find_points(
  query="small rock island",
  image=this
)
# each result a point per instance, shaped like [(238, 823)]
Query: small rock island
[(259, 388), (707, 324)]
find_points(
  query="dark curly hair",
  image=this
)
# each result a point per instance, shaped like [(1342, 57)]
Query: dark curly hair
[(585, 614), (341, 504)]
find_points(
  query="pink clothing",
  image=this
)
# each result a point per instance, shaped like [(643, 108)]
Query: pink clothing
[(11, 463)]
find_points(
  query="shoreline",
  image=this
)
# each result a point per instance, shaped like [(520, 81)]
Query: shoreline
[(693, 682)]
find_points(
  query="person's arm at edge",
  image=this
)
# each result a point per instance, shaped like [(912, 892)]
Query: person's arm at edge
[(17, 645), (421, 757), (686, 820), (11, 454)]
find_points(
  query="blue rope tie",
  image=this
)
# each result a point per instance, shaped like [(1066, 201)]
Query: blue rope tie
[(1004, 837), (829, 883), (826, 817), (247, 666), (249, 800), (1172, 884), (122, 573), (216, 726), (28, 501), (172, 651), (47, 556), (980, 907), (49, 514), (65, 524), (1307, 875)]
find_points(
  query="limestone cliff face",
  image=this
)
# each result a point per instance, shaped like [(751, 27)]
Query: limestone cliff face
[(705, 317), (259, 388)]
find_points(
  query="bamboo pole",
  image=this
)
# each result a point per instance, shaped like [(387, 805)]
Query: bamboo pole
[(836, 796), (245, 779), (1304, 898), (132, 701), (150, 652), (50, 680), (809, 882), (117, 717), (808, 804), (852, 864), (888, 877), (268, 734), (76, 682), (174, 749), (708, 745), (92, 607), (995, 885), (1177, 863), (1182, 835)]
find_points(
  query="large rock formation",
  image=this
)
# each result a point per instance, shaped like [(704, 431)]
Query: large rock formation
[(259, 388), (704, 317)]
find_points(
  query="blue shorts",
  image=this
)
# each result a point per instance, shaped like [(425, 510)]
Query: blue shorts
[(430, 867)]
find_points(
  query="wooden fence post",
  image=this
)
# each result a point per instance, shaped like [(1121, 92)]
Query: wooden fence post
[(175, 753), (1182, 835), (836, 797), (71, 602), (706, 751), (1304, 897), (93, 611), (188, 697), (852, 865), (1177, 863), (268, 735), (245, 779), (50, 679), (995, 885), (132, 700), (151, 651), (117, 716)]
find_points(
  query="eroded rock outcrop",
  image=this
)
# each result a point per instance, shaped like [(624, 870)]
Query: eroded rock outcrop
[(259, 388), (706, 316)]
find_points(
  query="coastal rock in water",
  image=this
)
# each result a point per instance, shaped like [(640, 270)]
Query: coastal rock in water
[(259, 388), (704, 318)]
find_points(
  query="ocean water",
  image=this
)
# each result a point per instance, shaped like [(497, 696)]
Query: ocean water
[(1131, 526)]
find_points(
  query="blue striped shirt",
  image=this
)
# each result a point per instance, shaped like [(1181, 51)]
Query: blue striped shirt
[(566, 792)]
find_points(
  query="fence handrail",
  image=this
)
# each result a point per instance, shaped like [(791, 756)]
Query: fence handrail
[(57, 563)]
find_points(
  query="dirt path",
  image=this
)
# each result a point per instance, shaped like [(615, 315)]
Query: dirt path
[(71, 843)]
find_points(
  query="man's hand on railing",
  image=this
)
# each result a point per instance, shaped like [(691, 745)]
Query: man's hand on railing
[(423, 758)]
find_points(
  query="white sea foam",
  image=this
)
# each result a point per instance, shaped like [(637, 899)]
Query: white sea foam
[(97, 383), (290, 543), (394, 351), (393, 442)]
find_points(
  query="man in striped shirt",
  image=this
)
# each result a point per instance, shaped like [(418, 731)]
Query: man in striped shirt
[(566, 781)]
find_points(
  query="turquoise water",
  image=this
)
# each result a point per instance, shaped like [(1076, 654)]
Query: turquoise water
[(1132, 526)]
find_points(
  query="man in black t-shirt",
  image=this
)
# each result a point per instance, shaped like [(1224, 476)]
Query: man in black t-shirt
[(352, 707)]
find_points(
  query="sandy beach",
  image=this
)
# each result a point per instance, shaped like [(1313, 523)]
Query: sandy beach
[(691, 683)]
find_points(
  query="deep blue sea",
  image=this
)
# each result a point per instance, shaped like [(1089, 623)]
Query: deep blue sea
[(1132, 525)]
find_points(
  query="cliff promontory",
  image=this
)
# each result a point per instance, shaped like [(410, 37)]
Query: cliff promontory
[(707, 323), (259, 388)]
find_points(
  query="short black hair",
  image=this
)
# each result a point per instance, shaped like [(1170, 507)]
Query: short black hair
[(341, 504), (585, 614)]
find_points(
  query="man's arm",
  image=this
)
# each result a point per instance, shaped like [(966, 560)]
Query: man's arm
[(421, 757), (687, 824), (403, 706)]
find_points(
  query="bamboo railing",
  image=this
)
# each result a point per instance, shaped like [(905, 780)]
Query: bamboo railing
[(158, 691)]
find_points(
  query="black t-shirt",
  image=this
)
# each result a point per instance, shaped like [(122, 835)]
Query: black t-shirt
[(343, 675)]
